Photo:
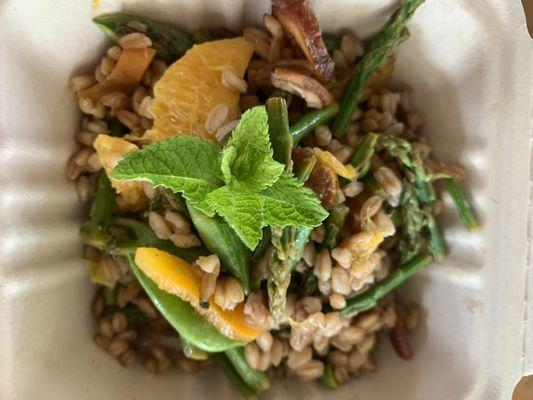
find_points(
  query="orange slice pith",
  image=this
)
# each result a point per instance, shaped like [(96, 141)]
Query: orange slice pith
[(191, 88), (110, 151), (177, 277)]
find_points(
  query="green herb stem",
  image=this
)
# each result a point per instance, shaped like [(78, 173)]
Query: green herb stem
[(278, 130), (464, 210), (244, 389), (369, 299), (437, 246), (389, 37), (328, 379), (362, 154), (311, 120), (334, 224)]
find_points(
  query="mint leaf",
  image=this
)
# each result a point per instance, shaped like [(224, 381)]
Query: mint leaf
[(287, 202), (242, 211), (183, 164), (247, 157)]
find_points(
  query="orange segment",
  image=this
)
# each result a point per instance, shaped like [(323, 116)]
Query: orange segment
[(333, 163), (127, 74), (191, 88), (177, 277), (110, 151)]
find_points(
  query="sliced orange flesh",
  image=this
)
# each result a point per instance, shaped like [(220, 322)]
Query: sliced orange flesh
[(125, 77), (110, 151), (177, 277), (191, 88), (332, 162)]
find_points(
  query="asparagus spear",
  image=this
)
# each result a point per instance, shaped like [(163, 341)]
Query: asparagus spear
[(463, 208), (311, 120), (369, 299), (334, 224), (389, 37), (328, 379), (436, 240), (169, 41), (257, 380), (412, 223), (246, 391), (362, 154)]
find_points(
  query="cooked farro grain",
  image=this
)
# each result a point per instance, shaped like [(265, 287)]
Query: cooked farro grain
[(252, 355), (297, 359), (105, 328), (311, 370), (129, 335), (369, 125), (340, 281), (333, 324), (93, 163), (107, 65), (131, 120), (339, 59), (86, 138), (384, 223), (128, 293), (119, 322), (117, 347), (309, 254), (99, 75), (159, 225), (317, 235), (216, 118), (230, 80), (324, 287), (134, 40), (351, 48), (228, 292), (185, 241), (147, 307), (323, 135), (114, 52), (337, 301), (352, 189), (81, 82), (83, 188), (367, 344), (208, 286), (178, 223), (370, 207), (323, 265), (102, 341), (273, 26), (389, 181), (225, 130), (342, 256), (264, 361), (127, 358)]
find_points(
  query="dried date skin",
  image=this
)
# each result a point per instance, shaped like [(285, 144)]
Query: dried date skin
[(398, 338)]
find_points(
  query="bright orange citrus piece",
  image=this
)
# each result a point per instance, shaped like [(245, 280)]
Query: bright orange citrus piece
[(177, 277), (191, 88), (110, 151), (333, 163)]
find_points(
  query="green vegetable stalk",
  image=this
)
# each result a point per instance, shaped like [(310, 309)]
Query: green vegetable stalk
[(437, 245), (362, 154), (278, 130), (328, 379), (311, 120), (370, 298), (247, 392), (103, 204), (334, 224), (221, 240), (257, 380), (183, 317), (463, 208), (169, 41), (389, 37), (191, 351)]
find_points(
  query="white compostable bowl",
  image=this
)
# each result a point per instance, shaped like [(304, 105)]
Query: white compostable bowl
[(470, 65)]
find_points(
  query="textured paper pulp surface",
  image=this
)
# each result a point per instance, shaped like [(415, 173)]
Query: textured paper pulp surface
[(469, 63)]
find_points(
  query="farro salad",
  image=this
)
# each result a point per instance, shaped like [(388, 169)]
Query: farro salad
[(256, 197)]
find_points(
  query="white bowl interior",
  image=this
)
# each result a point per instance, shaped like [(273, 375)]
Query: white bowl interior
[(468, 63)]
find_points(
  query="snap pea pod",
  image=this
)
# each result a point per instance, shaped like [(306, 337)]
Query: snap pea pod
[(253, 378), (220, 239), (225, 365), (370, 298), (145, 237), (328, 378), (392, 34), (191, 351), (362, 154), (334, 224), (311, 120), (278, 130), (182, 316), (169, 41), (463, 208)]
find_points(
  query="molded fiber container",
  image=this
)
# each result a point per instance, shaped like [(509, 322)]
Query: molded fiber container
[(470, 63)]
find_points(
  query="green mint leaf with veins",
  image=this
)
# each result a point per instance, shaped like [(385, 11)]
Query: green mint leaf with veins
[(183, 164), (287, 202), (242, 211), (284, 203), (247, 157)]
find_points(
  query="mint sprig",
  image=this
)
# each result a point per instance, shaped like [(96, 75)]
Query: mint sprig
[(242, 182)]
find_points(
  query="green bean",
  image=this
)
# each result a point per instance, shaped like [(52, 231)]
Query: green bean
[(369, 299), (389, 37), (257, 380), (145, 237), (463, 208), (362, 154), (116, 128), (278, 130), (436, 239), (182, 316), (169, 41), (246, 391), (328, 379), (311, 120), (220, 239), (334, 224)]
